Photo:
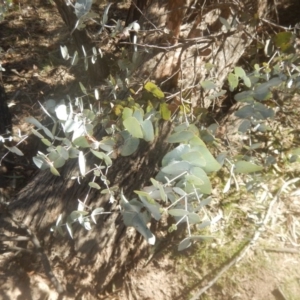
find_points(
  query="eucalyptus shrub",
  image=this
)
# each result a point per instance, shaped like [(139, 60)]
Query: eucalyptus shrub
[(182, 187)]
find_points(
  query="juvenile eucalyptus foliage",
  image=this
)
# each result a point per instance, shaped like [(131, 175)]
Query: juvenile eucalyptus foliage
[(182, 187)]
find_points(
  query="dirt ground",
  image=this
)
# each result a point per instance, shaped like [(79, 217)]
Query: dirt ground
[(30, 40)]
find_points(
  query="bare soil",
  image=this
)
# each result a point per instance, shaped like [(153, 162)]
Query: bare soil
[(30, 40)]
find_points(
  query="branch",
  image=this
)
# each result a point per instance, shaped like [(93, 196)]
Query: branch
[(4, 238)]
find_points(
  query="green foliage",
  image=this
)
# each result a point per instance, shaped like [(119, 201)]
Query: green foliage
[(5, 5), (180, 185), (133, 217), (183, 185), (154, 89), (233, 78)]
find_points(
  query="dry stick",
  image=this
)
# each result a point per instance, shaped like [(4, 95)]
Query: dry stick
[(248, 245), (4, 238), (283, 250), (187, 42)]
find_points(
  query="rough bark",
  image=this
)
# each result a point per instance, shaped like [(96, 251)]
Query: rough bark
[(183, 41), (86, 265), (5, 116), (5, 132), (98, 71)]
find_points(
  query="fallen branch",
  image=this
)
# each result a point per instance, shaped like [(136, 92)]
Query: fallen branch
[(251, 243)]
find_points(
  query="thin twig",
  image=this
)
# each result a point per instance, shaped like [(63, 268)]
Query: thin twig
[(143, 15), (283, 250), (5, 238), (251, 243), (274, 24), (188, 42)]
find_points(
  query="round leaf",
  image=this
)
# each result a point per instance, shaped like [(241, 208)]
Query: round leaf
[(94, 185), (211, 164), (176, 212), (165, 111), (175, 154), (199, 178), (148, 131), (180, 137), (184, 244), (208, 85), (247, 81), (233, 81), (130, 146), (154, 89), (176, 168), (81, 142), (59, 162), (195, 158), (239, 72), (133, 126)]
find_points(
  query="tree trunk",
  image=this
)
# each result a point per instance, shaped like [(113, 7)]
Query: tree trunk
[(98, 71), (182, 42), (5, 132), (85, 265), (5, 116), (189, 44)]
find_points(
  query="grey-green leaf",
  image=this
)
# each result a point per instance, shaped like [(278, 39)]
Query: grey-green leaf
[(239, 72), (177, 212), (247, 81), (83, 89), (15, 150), (175, 154), (130, 146), (81, 142), (194, 218), (74, 60), (233, 81), (176, 168), (180, 137), (148, 130), (94, 185), (133, 217), (194, 158), (185, 243), (103, 156), (246, 167), (208, 85), (199, 178), (59, 162), (211, 164), (95, 212), (133, 126), (244, 126), (257, 111), (152, 206)]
